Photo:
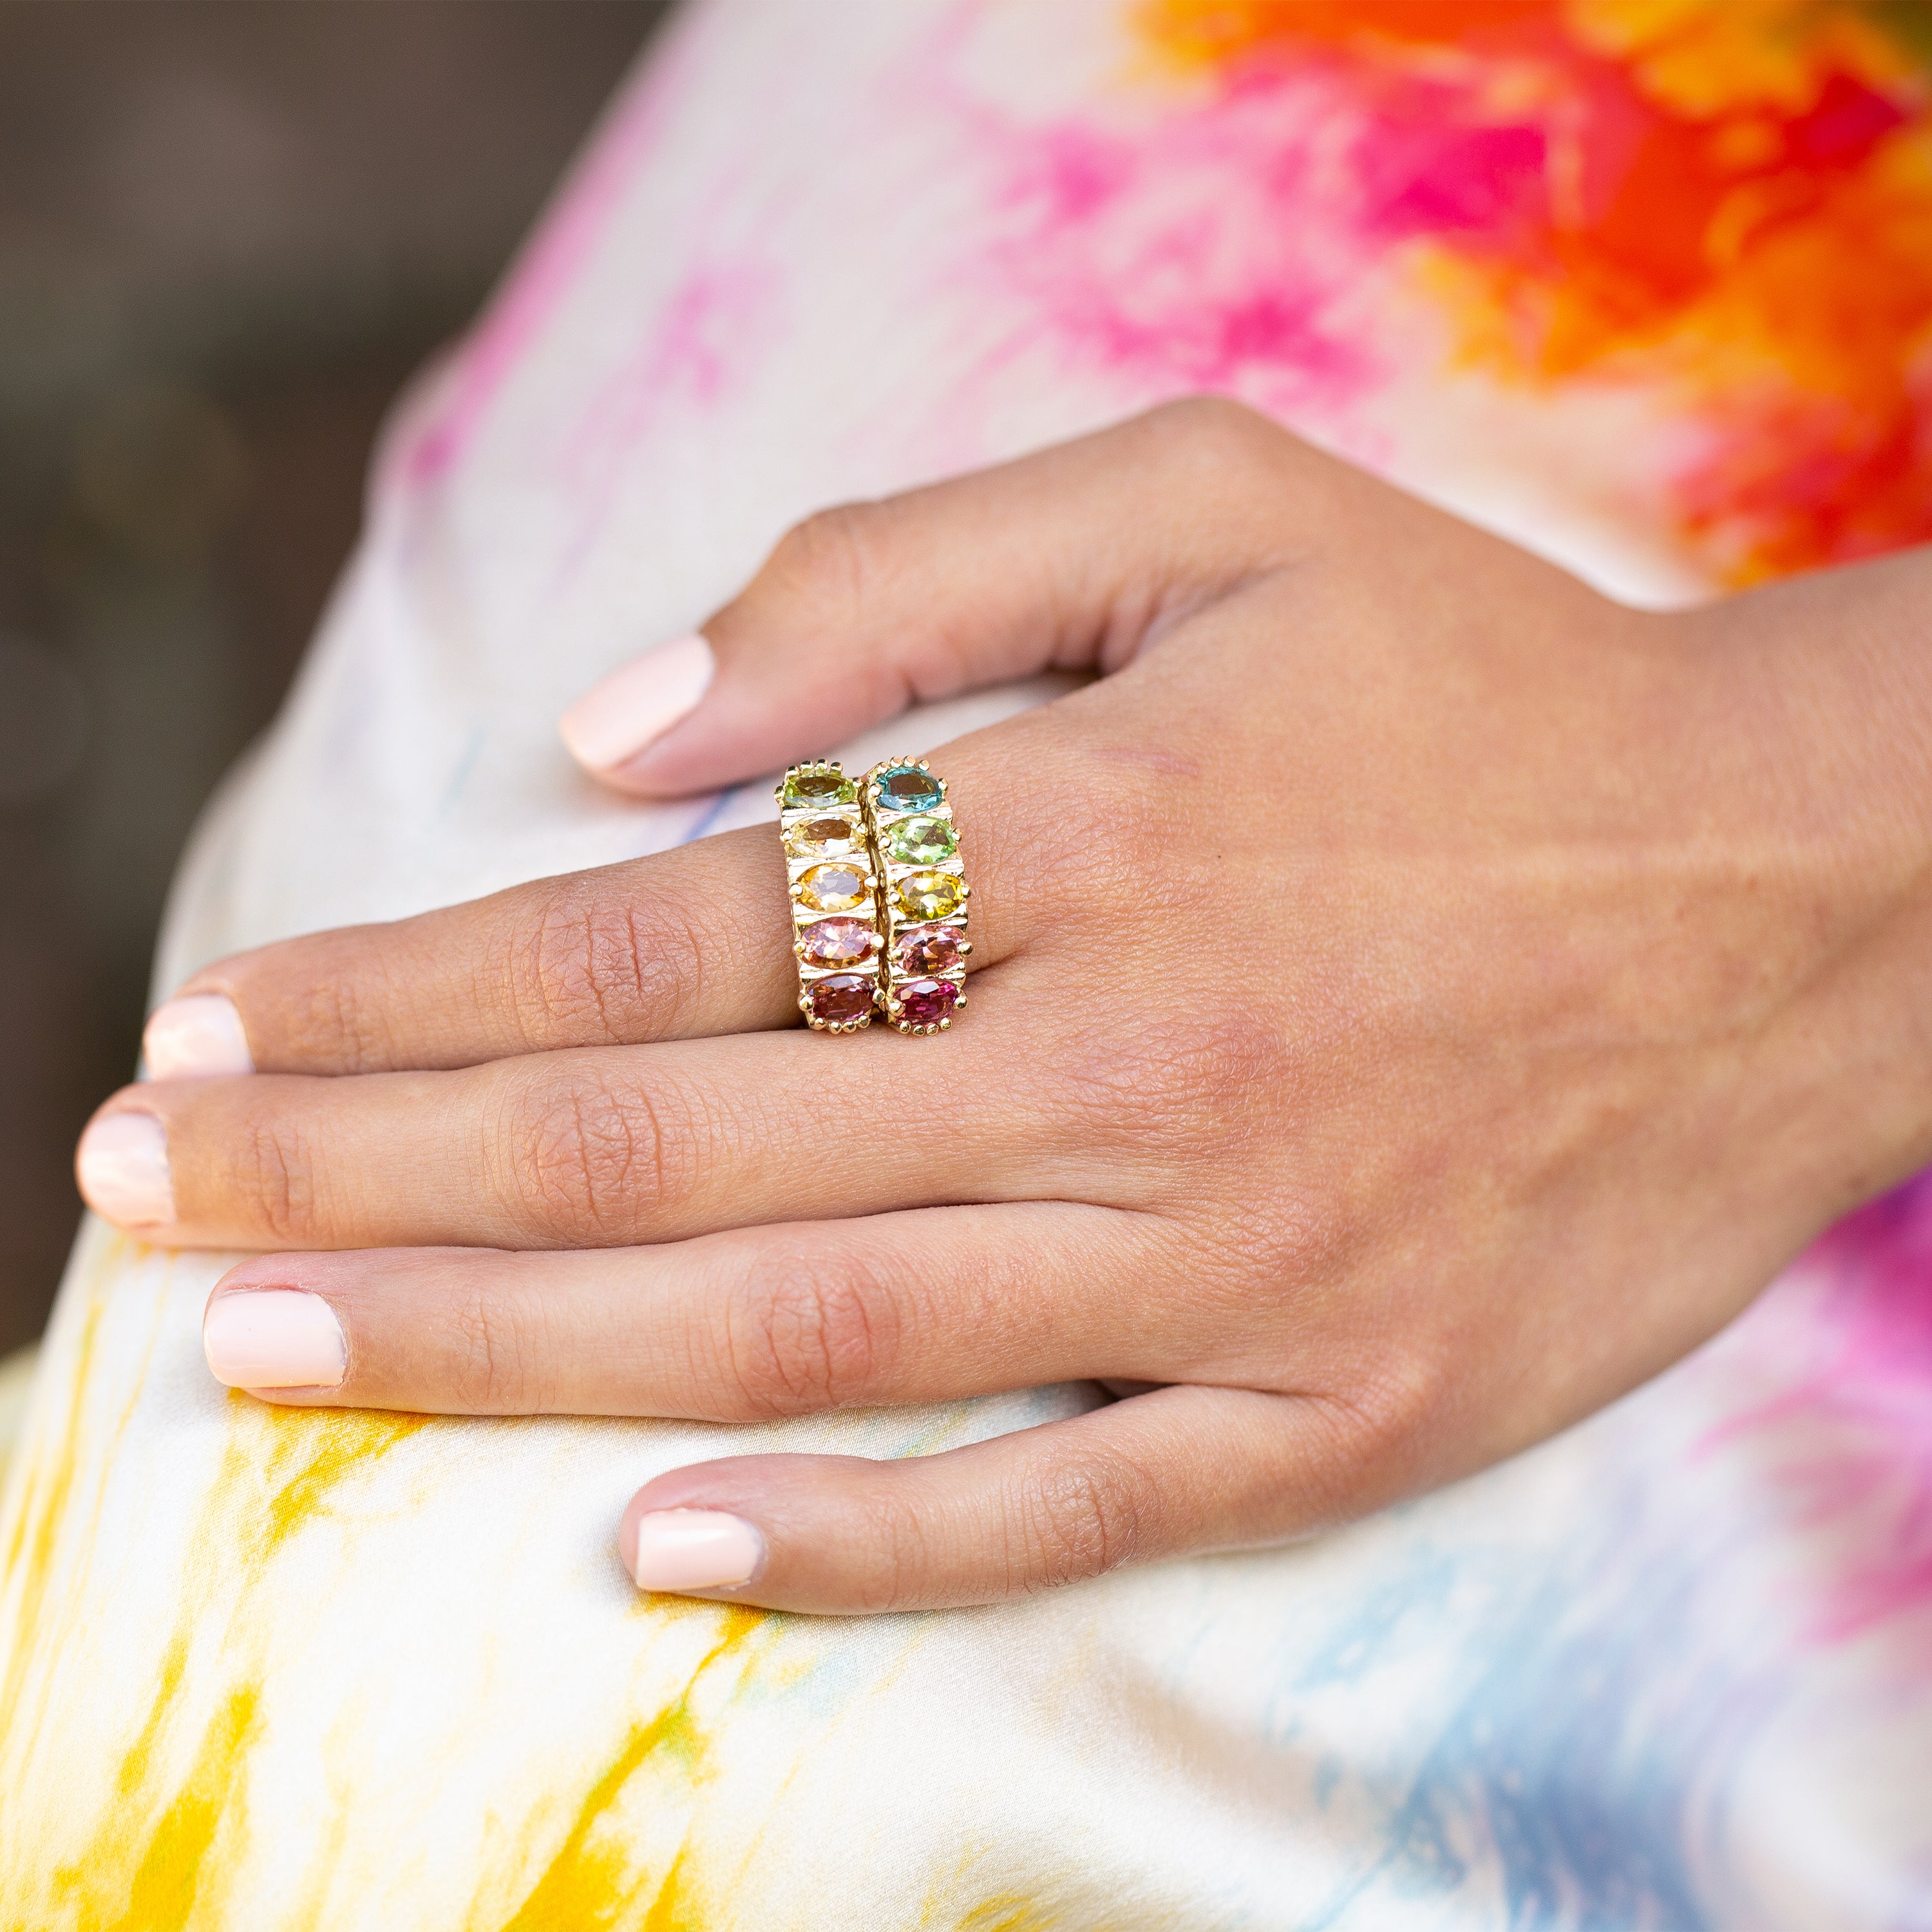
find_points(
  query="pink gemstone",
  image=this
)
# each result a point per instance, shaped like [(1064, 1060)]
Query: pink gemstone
[(927, 1002), (928, 949), (839, 942), (845, 996)]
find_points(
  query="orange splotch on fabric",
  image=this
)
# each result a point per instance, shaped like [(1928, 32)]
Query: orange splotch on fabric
[(1726, 202)]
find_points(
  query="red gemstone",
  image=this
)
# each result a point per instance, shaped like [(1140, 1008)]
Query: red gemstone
[(845, 996), (839, 942), (928, 949), (927, 1002)]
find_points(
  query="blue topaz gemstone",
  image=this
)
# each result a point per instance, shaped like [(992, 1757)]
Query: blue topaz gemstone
[(906, 788)]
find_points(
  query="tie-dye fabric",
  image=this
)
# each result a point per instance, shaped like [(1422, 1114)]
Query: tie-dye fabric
[(1643, 283)]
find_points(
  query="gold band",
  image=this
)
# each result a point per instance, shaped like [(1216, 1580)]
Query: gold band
[(922, 893), (829, 866)]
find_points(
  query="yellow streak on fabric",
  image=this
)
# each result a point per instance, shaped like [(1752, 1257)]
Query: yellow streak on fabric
[(165, 1886), (585, 1885), (159, 1851), (43, 1506)]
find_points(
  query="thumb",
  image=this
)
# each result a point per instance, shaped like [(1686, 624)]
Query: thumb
[(1070, 559)]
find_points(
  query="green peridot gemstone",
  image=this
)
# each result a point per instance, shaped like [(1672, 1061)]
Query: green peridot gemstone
[(813, 789), (923, 841)]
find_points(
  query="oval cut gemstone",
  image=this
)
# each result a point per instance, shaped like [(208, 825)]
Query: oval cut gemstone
[(835, 888), (809, 788), (845, 996), (927, 948), (928, 895), (906, 788), (839, 942), (824, 838), (923, 841), (927, 1002)]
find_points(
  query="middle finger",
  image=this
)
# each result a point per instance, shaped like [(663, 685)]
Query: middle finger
[(596, 1146)]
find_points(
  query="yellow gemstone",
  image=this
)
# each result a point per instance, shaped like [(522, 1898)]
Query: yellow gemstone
[(928, 896), (836, 888), (824, 838)]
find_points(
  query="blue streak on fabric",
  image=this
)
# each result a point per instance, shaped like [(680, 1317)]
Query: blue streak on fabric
[(1592, 1714), (465, 764), (710, 816)]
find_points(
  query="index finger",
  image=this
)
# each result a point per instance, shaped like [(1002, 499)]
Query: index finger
[(689, 943)]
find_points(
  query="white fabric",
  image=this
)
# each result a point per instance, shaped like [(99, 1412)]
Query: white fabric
[(270, 1669)]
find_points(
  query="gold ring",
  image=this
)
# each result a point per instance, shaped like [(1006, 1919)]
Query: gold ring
[(835, 934), (923, 889)]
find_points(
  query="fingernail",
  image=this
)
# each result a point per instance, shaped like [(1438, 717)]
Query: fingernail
[(194, 1036), (694, 1550), (281, 1338), (122, 1163), (616, 719)]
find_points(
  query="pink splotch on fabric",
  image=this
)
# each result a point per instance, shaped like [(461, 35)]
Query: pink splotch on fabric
[(1857, 1414), (1220, 246), (563, 243)]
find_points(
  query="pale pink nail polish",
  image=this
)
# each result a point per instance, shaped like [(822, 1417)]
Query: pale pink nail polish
[(195, 1036), (122, 1164), (693, 1549), (614, 721), (274, 1338)]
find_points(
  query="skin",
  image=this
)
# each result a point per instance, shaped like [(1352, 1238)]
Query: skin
[(1416, 1000)]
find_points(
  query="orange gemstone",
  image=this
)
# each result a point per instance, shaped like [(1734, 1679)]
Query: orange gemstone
[(833, 888)]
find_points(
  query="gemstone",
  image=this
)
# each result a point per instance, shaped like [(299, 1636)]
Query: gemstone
[(923, 841), (928, 895), (835, 888), (927, 1002), (824, 838), (906, 788), (845, 996), (927, 948), (821, 787), (839, 942)]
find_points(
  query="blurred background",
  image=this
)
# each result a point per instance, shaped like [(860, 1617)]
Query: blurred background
[(229, 230)]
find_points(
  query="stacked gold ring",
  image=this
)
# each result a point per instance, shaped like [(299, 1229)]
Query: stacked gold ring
[(836, 928), (915, 848)]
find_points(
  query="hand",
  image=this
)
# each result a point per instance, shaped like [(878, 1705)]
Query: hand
[(1416, 999)]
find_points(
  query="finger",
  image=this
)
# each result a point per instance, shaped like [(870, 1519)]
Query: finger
[(742, 1327), (684, 944), (1069, 558), (599, 1147), (1181, 1470)]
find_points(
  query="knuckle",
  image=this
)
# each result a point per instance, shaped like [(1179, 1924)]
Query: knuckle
[(1216, 427), (1079, 1518), (494, 1357), (597, 961), (334, 1006), (1176, 1084), (811, 1332), (829, 562), (271, 1163), (593, 1161)]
